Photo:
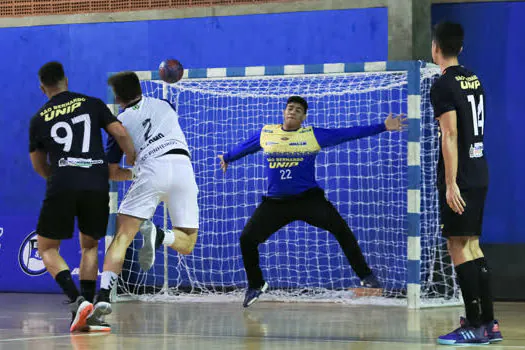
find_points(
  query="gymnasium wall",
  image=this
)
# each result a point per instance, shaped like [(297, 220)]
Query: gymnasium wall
[(495, 49), (89, 51)]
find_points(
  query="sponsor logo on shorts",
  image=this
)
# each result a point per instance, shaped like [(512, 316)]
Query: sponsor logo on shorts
[(30, 261)]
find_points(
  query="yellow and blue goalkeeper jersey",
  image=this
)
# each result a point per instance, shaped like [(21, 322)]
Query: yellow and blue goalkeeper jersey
[(290, 155)]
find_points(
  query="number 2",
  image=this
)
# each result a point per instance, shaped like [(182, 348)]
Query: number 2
[(147, 125), (478, 114), (286, 174)]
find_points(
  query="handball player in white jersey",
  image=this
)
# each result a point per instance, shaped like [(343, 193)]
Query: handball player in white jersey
[(162, 172)]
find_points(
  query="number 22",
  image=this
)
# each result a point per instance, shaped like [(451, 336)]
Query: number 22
[(286, 174)]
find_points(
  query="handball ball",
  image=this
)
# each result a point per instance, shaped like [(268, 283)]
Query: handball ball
[(171, 71)]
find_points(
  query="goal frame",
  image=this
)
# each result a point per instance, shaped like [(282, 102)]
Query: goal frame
[(413, 69)]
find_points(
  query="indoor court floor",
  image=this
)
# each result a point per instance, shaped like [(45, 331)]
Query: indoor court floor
[(35, 321)]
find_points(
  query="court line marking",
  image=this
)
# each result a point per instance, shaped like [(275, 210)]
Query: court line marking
[(53, 337), (262, 338), (318, 340)]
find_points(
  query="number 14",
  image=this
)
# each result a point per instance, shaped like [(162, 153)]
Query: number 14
[(478, 114)]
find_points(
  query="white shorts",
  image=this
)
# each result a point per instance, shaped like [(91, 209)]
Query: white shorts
[(168, 178)]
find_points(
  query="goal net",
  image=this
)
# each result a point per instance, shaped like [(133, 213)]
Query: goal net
[(373, 182)]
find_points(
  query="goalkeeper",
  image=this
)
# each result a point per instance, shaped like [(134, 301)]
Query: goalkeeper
[(293, 193)]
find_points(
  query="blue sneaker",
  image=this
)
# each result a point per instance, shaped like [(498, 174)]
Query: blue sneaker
[(252, 294), (493, 332), (465, 335), (370, 281)]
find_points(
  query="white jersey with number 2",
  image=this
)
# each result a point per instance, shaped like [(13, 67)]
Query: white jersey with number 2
[(153, 125)]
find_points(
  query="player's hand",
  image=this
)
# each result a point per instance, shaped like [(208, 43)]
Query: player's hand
[(224, 165), (396, 123), (130, 159), (454, 199)]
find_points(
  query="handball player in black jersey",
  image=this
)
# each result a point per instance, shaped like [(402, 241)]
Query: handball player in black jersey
[(459, 100), (66, 149)]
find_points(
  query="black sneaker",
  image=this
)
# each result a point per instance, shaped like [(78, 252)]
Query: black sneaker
[(252, 294)]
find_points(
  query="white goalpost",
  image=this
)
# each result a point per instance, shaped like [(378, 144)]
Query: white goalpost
[(384, 186)]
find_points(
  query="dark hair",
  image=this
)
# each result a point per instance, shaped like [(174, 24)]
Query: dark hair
[(51, 73), (299, 100), (448, 37), (126, 86)]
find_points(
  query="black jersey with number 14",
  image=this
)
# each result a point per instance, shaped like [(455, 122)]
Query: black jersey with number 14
[(67, 128), (460, 90)]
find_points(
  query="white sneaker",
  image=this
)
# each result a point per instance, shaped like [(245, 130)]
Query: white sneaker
[(147, 252)]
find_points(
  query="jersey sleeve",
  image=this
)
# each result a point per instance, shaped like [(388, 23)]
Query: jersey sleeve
[(105, 115), (35, 142), (441, 99), (113, 151), (249, 146), (332, 137)]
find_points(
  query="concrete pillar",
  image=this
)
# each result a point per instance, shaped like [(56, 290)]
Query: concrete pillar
[(409, 32)]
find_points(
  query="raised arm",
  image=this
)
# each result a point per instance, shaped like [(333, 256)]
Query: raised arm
[(249, 146), (332, 137)]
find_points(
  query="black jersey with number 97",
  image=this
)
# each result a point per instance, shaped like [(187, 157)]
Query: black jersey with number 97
[(67, 128), (460, 90)]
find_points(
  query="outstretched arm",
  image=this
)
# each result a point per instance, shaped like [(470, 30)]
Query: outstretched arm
[(332, 137), (249, 146)]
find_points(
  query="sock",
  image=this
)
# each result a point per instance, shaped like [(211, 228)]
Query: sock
[(109, 278), (485, 291), (169, 237), (160, 237), (67, 284), (103, 295), (468, 279), (88, 289)]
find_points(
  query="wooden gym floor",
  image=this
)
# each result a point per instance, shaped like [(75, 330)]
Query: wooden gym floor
[(33, 321)]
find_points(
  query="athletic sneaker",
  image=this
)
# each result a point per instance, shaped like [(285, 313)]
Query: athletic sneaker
[(371, 281), (102, 305), (252, 294), (147, 252), (465, 335), (493, 332), (80, 310), (95, 321)]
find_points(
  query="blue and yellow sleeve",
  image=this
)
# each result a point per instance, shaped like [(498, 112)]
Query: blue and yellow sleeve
[(249, 146), (332, 137)]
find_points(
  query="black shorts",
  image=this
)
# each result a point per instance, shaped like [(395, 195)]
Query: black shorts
[(57, 216), (470, 222)]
